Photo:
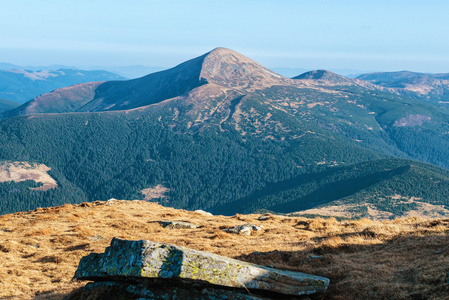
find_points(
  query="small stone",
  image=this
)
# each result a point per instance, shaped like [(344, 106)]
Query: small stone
[(112, 201), (202, 212), (178, 224), (265, 217), (96, 237), (245, 229)]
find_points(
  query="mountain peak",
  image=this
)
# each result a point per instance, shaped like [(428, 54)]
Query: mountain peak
[(323, 75), (229, 68)]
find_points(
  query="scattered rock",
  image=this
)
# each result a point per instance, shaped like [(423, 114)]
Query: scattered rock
[(96, 237), (178, 224), (265, 217), (138, 265), (112, 201), (314, 257), (202, 212), (245, 229)]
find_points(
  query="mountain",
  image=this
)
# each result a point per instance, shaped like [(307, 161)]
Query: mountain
[(221, 67), (292, 72), (6, 105), (223, 133), (325, 76), (8, 66), (429, 87), (23, 85)]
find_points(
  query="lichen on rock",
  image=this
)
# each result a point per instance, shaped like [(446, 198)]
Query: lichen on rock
[(125, 260)]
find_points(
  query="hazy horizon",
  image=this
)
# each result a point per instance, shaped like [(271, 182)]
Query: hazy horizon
[(358, 35)]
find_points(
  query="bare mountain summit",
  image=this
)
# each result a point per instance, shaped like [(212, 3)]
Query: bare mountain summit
[(221, 66), (324, 75)]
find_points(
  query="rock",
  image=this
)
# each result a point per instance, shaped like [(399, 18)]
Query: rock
[(245, 229), (265, 217), (178, 224), (202, 212), (112, 202), (311, 257), (157, 290), (144, 260)]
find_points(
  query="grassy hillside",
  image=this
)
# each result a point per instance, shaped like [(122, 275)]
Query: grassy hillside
[(399, 259)]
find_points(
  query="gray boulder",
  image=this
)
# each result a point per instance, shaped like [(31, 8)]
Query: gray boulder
[(202, 212), (178, 224), (137, 260), (245, 229)]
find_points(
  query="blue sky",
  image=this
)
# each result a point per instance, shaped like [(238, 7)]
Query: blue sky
[(364, 35)]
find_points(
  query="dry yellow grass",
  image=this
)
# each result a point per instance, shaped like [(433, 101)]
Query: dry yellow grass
[(399, 259)]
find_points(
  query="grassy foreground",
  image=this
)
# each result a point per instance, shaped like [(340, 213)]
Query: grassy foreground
[(400, 259)]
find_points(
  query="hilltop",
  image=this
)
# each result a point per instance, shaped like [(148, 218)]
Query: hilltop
[(407, 257)]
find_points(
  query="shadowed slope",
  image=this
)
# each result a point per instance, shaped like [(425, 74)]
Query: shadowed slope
[(62, 100)]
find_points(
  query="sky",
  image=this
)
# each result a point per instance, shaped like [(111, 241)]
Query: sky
[(382, 35)]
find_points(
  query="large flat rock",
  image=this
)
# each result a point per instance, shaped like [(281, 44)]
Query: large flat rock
[(125, 260)]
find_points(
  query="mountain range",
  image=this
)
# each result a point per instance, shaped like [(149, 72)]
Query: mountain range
[(429, 87), (22, 85), (222, 133)]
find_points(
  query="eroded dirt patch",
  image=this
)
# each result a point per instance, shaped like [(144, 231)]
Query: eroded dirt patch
[(21, 171), (159, 191)]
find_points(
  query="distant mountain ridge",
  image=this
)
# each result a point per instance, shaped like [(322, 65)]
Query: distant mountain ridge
[(429, 87), (6, 105), (23, 85)]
